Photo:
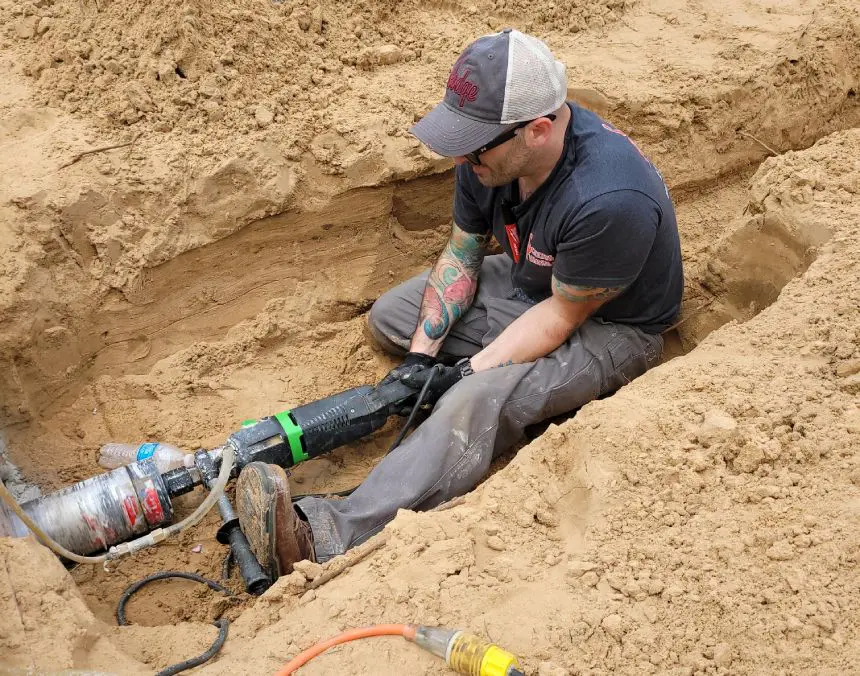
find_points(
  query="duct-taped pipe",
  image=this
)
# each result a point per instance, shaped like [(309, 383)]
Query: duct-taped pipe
[(105, 511)]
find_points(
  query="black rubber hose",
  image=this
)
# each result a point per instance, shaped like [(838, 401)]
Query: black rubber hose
[(227, 565), (222, 624), (414, 411)]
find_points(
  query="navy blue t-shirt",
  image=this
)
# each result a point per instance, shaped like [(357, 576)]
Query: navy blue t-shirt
[(603, 218)]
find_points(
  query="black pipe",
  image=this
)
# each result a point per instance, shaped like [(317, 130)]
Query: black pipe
[(255, 578), (179, 481)]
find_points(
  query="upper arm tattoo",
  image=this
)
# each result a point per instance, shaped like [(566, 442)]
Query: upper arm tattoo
[(452, 283), (584, 294)]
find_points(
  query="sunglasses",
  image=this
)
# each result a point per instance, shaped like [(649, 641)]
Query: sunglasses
[(474, 157)]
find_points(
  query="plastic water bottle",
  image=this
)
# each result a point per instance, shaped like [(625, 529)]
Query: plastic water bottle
[(166, 457)]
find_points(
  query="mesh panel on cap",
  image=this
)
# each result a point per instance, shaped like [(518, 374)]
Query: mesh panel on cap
[(535, 84)]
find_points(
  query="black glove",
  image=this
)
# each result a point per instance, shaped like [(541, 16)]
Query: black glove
[(413, 361), (444, 378)]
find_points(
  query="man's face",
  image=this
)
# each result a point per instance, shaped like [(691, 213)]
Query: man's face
[(502, 164)]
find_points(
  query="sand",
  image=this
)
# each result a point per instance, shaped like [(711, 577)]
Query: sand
[(220, 263)]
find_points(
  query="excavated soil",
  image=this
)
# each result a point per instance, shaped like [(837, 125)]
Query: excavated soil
[(200, 203)]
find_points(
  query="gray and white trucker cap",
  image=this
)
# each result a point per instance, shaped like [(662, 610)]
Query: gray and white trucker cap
[(500, 80)]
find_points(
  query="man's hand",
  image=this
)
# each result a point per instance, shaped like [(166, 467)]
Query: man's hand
[(413, 361), (443, 379)]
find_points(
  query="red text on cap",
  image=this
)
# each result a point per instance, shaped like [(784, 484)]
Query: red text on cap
[(460, 85)]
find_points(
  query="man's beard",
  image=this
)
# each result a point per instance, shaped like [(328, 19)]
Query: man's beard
[(508, 168)]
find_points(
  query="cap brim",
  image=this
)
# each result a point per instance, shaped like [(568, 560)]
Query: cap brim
[(450, 134)]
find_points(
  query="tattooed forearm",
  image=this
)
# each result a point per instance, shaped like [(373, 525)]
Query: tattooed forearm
[(434, 312), (583, 294), (452, 284), (449, 291)]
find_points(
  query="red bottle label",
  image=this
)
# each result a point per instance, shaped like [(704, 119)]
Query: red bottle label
[(152, 505)]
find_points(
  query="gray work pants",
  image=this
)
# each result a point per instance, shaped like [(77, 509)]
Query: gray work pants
[(481, 416)]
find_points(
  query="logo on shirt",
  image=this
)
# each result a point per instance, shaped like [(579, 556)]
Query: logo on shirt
[(462, 86), (614, 130), (609, 127), (538, 257)]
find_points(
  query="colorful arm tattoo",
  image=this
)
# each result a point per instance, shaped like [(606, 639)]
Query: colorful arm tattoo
[(452, 283), (584, 294)]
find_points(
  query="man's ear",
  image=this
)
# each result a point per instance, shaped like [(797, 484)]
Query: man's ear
[(538, 132)]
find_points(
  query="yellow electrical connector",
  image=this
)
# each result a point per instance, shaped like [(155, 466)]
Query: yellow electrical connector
[(464, 653), (467, 654), (498, 662)]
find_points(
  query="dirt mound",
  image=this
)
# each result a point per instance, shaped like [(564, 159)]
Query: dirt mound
[(45, 620), (252, 64)]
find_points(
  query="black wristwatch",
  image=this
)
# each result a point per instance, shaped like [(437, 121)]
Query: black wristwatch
[(465, 365)]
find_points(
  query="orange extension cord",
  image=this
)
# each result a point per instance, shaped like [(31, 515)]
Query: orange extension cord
[(407, 631)]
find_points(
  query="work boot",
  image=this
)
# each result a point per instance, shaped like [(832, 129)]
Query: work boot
[(277, 535)]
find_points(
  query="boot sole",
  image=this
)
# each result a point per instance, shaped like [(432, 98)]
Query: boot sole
[(256, 489)]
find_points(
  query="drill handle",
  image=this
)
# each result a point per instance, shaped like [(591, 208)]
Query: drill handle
[(349, 416), (391, 398)]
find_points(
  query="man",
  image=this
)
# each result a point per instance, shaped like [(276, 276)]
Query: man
[(590, 276)]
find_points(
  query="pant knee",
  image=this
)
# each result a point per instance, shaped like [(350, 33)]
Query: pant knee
[(382, 329)]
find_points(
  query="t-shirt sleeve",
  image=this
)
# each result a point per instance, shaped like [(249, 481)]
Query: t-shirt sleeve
[(467, 214), (606, 243)]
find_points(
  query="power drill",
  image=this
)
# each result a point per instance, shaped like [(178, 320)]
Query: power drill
[(117, 506), (298, 434)]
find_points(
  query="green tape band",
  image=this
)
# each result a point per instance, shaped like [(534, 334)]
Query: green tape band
[(294, 436)]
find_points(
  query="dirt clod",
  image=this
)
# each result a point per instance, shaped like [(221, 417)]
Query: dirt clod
[(309, 569)]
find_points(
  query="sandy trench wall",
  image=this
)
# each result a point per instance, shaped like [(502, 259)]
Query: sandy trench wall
[(46, 623), (703, 519)]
